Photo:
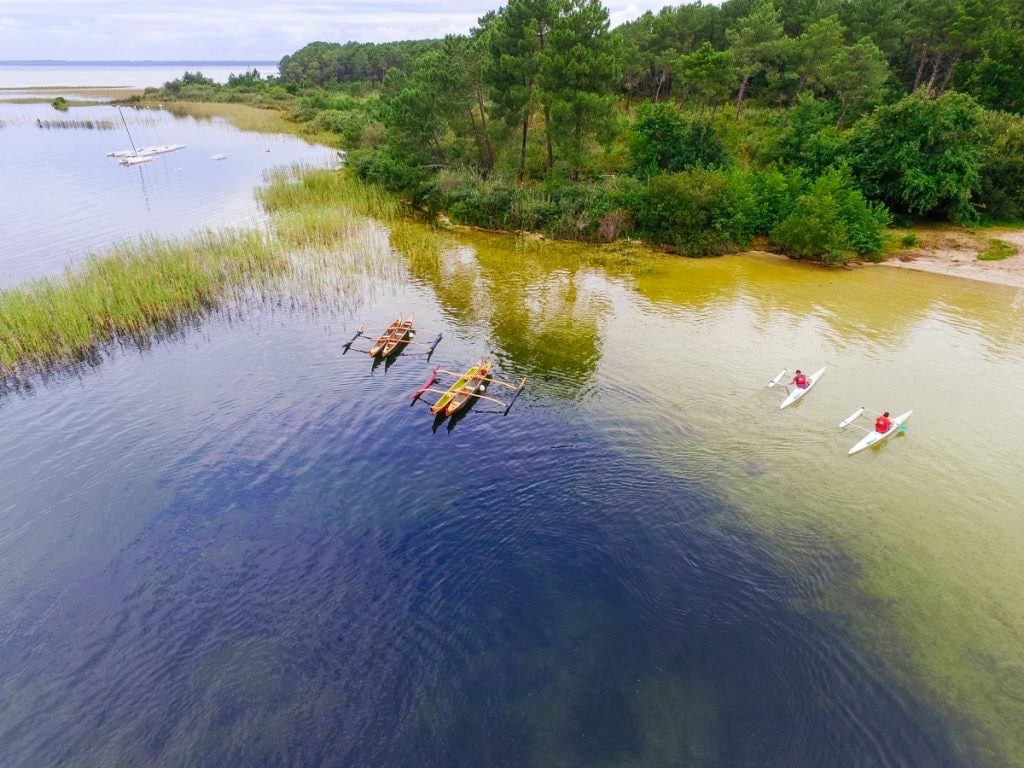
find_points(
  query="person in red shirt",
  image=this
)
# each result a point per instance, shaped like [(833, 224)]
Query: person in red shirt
[(883, 423), (800, 380)]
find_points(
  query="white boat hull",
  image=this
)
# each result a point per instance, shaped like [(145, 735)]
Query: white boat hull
[(874, 438), (797, 393), (162, 149)]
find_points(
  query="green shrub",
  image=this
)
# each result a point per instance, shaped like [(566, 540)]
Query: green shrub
[(60, 104), (832, 221), (702, 212), (921, 156), (485, 204), (909, 240), (774, 197), (328, 121), (389, 172), (809, 141), (662, 140), (1001, 186)]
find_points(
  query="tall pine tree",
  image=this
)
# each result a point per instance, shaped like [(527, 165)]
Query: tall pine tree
[(516, 38), (578, 71)]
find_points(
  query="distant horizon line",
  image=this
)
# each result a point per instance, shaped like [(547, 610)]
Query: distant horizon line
[(138, 62)]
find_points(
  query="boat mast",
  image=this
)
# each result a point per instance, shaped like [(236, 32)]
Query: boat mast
[(134, 150)]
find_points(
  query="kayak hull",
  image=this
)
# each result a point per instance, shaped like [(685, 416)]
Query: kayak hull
[(874, 438), (797, 393)]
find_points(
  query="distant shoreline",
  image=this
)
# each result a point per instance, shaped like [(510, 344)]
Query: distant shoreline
[(130, 63)]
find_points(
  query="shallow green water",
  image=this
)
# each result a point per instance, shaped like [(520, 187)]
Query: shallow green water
[(671, 358)]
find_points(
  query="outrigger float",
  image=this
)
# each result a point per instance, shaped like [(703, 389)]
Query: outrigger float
[(398, 335), (873, 437), (468, 386)]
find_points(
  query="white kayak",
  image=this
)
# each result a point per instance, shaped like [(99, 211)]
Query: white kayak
[(797, 393), (874, 438)]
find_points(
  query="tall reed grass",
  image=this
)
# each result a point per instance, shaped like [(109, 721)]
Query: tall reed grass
[(299, 188), (92, 125), (330, 223), (323, 233), (131, 292)]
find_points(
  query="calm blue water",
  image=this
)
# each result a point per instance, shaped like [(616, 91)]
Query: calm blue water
[(241, 548)]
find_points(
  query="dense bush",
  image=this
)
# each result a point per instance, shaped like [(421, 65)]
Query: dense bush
[(832, 221), (921, 156), (389, 172), (809, 140), (661, 139), (774, 197), (1001, 183), (564, 210), (702, 212)]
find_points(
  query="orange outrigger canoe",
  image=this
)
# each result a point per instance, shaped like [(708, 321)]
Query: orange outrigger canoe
[(385, 337)]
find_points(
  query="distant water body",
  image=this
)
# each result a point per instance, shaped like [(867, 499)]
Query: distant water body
[(118, 74), (63, 198)]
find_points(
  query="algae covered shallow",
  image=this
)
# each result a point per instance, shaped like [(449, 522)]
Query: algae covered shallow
[(645, 563)]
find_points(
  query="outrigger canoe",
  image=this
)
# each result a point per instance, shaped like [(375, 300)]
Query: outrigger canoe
[(385, 337), (393, 339), (468, 386), (874, 438), (797, 392), (400, 335), (456, 396), (475, 384)]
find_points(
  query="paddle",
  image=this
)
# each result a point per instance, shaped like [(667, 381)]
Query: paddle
[(777, 379)]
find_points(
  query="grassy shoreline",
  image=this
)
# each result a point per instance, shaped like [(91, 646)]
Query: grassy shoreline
[(136, 290), (246, 117), (130, 292)]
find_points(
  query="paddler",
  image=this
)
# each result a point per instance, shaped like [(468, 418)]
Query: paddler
[(883, 423), (800, 380)]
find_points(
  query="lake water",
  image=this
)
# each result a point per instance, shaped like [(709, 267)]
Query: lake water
[(117, 76), (64, 198), (239, 547)]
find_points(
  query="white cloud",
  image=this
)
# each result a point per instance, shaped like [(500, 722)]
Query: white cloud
[(230, 29)]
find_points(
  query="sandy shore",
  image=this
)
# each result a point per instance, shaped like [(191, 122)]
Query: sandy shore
[(955, 252)]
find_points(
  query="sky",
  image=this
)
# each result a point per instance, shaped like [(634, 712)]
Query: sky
[(241, 30)]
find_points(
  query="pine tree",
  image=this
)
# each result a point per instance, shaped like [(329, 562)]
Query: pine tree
[(578, 69), (516, 37)]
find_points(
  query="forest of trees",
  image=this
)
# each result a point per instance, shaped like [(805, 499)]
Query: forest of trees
[(811, 122)]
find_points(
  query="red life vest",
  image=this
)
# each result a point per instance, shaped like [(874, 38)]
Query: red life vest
[(882, 424), (801, 381)]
